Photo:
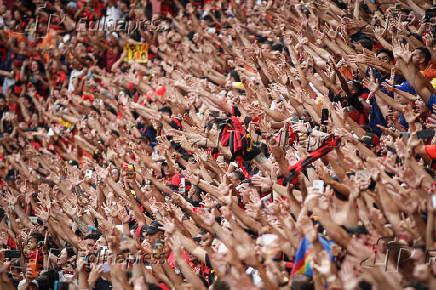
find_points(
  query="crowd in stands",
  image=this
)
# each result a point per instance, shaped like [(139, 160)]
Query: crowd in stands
[(253, 144)]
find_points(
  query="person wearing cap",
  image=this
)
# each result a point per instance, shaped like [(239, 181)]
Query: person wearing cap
[(370, 139), (150, 230), (153, 236)]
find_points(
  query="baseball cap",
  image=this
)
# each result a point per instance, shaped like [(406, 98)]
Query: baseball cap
[(149, 230), (370, 139)]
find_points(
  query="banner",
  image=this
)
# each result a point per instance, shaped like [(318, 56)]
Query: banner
[(137, 52)]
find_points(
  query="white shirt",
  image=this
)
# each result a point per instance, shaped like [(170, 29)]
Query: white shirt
[(73, 75), (112, 15)]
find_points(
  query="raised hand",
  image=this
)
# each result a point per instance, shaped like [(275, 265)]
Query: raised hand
[(262, 182), (42, 214), (208, 218), (379, 31), (371, 83), (321, 262), (401, 51), (168, 226), (305, 225)]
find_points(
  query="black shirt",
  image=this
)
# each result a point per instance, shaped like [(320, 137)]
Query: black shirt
[(101, 284)]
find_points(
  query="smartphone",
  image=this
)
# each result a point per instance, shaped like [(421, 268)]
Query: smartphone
[(88, 173), (182, 187), (12, 254), (433, 198), (105, 267), (34, 266), (33, 219), (324, 115), (319, 185)]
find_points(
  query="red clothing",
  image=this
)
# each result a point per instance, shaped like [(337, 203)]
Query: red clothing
[(110, 58), (431, 151)]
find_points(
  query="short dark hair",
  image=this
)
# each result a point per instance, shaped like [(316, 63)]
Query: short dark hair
[(152, 286), (417, 285), (92, 236), (277, 47), (347, 16), (70, 252), (420, 246), (37, 236), (302, 282), (166, 109), (425, 52), (43, 282), (240, 174), (365, 285), (220, 285), (366, 43), (235, 75), (387, 51)]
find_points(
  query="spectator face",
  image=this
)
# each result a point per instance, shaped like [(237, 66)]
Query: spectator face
[(348, 24), (221, 162), (193, 162), (32, 91), (166, 170), (32, 245), (115, 174), (420, 106), (91, 245), (34, 66), (418, 58), (56, 93), (384, 57), (17, 15), (234, 179)]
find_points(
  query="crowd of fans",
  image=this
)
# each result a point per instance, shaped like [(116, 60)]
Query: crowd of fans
[(264, 144)]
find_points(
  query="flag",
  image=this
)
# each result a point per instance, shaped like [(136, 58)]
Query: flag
[(329, 144), (137, 52), (303, 261)]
